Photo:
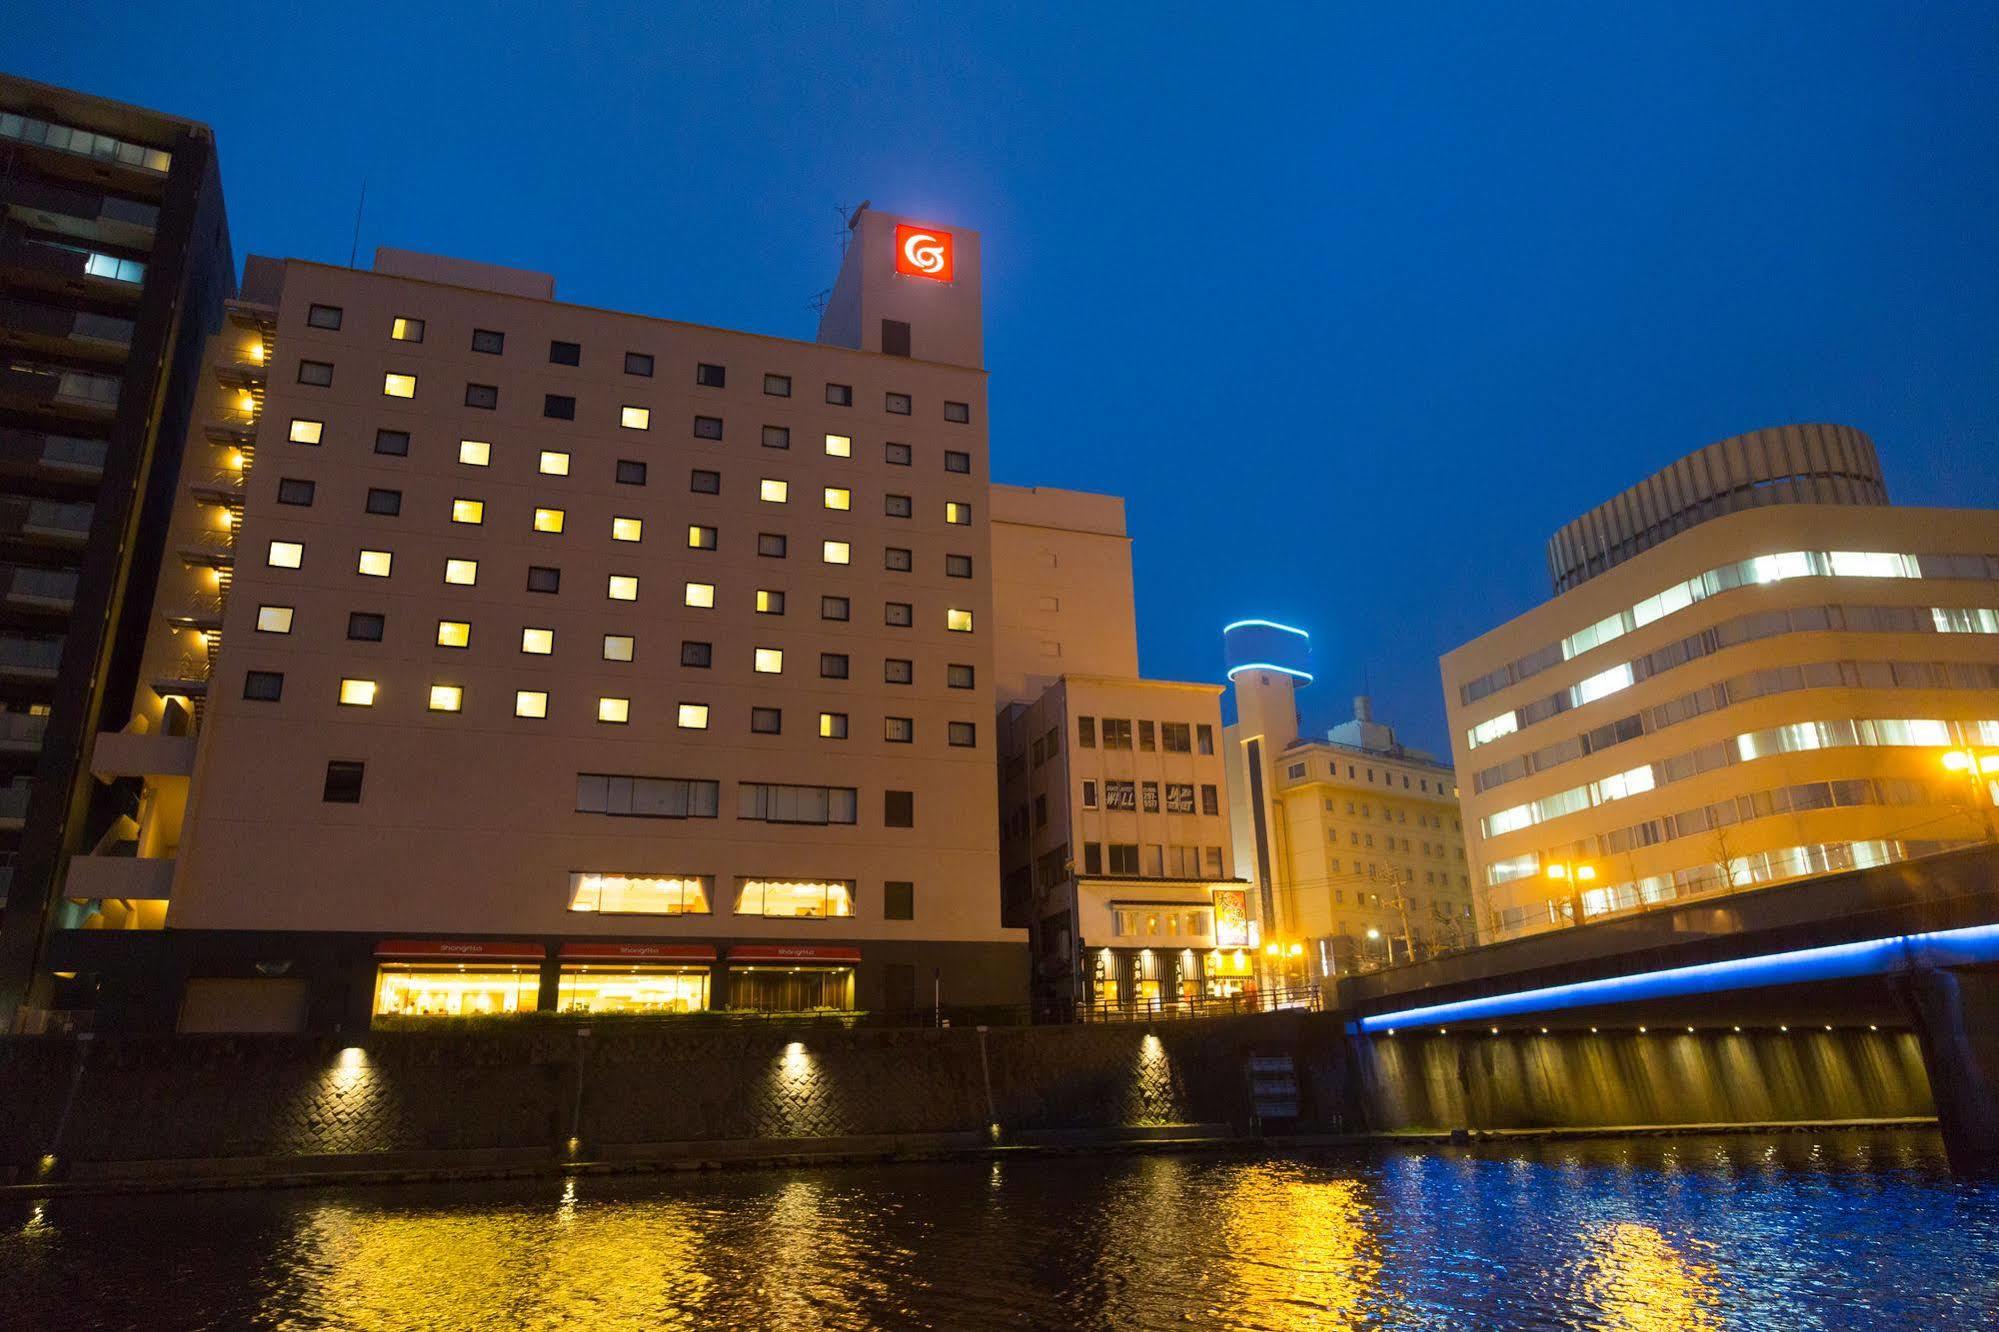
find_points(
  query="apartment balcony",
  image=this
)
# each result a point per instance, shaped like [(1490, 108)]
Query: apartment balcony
[(82, 213), (54, 457), (47, 522), (141, 754), (56, 266), (218, 485), (208, 549), (21, 732), (186, 678), (251, 314), (119, 878), (24, 658), (232, 430), (80, 393), (40, 589), (78, 333), (201, 612), (247, 375), (14, 804)]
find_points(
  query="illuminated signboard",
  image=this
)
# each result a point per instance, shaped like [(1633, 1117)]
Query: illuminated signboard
[(922, 252), (1232, 918)]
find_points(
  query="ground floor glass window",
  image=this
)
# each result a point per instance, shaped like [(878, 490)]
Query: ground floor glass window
[(453, 991)]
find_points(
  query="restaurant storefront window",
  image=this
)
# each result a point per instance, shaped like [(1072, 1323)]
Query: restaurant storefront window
[(633, 990), (1229, 971), (449, 978), (792, 978)]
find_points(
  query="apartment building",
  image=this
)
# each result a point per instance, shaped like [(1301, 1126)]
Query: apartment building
[(1355, 840), (1754, 668), (555, 658), (114, 264)]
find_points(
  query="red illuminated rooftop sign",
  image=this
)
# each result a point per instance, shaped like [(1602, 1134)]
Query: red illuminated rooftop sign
[(923, 252)]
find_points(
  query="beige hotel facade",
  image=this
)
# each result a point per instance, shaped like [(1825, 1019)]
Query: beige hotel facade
[(1755, 668)]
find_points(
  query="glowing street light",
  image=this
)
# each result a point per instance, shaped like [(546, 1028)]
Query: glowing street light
[(1977, 768), (1574, 875)]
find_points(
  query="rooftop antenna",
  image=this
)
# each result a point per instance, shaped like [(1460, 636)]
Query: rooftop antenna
[(355, 249), (849, 214)]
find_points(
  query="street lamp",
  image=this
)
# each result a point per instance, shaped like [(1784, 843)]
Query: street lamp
[(1976, 767), (1573, 876)]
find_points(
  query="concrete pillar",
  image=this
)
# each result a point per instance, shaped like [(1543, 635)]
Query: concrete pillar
[(1956, 1016)]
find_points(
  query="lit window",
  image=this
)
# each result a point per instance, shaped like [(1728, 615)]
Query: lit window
[(833, 725), (617, 710), (839, 497), (700, 594), (958, 621), (306, 432), (554, 463), (540, 642), (274, 619), (954, 512), (773, 492), (770, 601), (530, 703), (407, 330), (839, 446), (548, 520), (837, 552), (375, 563), (357, 693), (693, 717), (635, 418), (770, 661), (623, 587), (454, 633), (399, 386), (626, 529), (700, 537), (475, 452), (446, 698), (468, 511), (462, 572), (617, 647), (285, 555)]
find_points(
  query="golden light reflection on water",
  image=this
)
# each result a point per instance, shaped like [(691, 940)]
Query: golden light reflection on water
[(1637, 1280), (1301, 1251)]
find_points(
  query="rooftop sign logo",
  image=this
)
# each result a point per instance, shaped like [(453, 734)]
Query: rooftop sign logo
[(922, 253)]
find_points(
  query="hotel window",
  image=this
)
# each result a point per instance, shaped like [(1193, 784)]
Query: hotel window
[(375, 563), (468, 511), (898, 809), (1089, 795), (705, 483), (898, 614), (1204, 738), (553, 462), (955, 461), (488, 341), (616, 711), (692, 717), (1176, 737), (393, 443), (958, 676), (538, 642), (833, 726), (306, 432), (475, 453), (700, 595), (447, 698), (1124, 857), (454, 633), (777, 386), (405, 329), (770, 601), (960, 412), (699, 655), (772, 491), (319, 374), (840, 395), (548, 520), (565, 353), (1086, 733), (294, 491), (962, 734), (274, 619), (636, 418), (625, 587), (898, 506), (707, 427), (898, 900), (531, 703), (541, 578), (1210, 799), (897, 560), (769, 661), (898, 670), (839, 446), (788, 898), (1117, 733), (776, 437), (960, 622), (343, 782), (832, 665), (357, 693), (834, 608), (957, 566), (486, 396), (323, 316), (898, 730), (698, 537), (957, 512), (711, 376), (771, 545), (1093, 858), (838, 498), (896, 455), (896, 404), (618, 647), (263, 686), (366, 626), (631, 472), (638, 363), (767, 721), (384, 503), (463, 573), (398, 386), (558, 406), (835, 552)]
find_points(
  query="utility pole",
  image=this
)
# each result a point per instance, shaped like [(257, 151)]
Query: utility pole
[(1401, 904)]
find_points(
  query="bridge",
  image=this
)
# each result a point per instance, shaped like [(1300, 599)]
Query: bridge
[(1869, 994)]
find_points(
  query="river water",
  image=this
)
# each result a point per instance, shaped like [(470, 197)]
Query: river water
[(1780, 1232)]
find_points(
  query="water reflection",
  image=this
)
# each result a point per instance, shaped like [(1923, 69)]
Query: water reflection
[(1639, 1281), (1301, 1249)]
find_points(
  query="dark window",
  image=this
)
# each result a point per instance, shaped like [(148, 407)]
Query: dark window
[(343, 783), (1204, 740), (896, 404), (263, 686), (388, 503), (317, 373), (482, 395), (777, 437), (958, 676), (777, 386), (565, 353), (631, 472), (705, 483), (638, 363), (707, 427), (896, 670), (696, 654), (1124, 857), (541, 578), (899, 613), (771, 544), (711, 376), (895, 337), (488, 341), (1211, 802), (832, 665), (1086, 732), (899, 730), (291, 490), (897, 559), (323, 316), (963, 734), (898, 809), (840, 395), (958, 411), (366, 626), (897, 506), (833, 608), (957, 566), (899, 903), (767, 721), (1093, 858), (955, 461), (896, 455), (1145, 737), (558, 406), (395, 443)]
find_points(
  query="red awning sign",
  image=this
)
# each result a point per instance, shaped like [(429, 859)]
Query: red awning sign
[(478, 950), (637, 952), (793, 953)]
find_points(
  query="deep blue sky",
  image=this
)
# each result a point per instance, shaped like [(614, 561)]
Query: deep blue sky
[(1353, 305)]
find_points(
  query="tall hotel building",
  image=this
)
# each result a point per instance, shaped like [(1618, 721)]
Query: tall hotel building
[(547, 657), (114, 264), (1754, 668)]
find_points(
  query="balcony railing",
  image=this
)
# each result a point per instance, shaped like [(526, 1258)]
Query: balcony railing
[(84, 143), (209, 547), (14, 802), (30, 656), (43, 587), (21, 731), (70, 454), (201, 611), (46, 519)]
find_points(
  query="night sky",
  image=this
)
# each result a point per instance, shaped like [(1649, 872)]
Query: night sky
[(1353, 305)]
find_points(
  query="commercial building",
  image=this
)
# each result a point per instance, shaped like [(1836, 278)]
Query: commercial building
[(114, 264), (1754, 669), (549, 657), (1355, 840)]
